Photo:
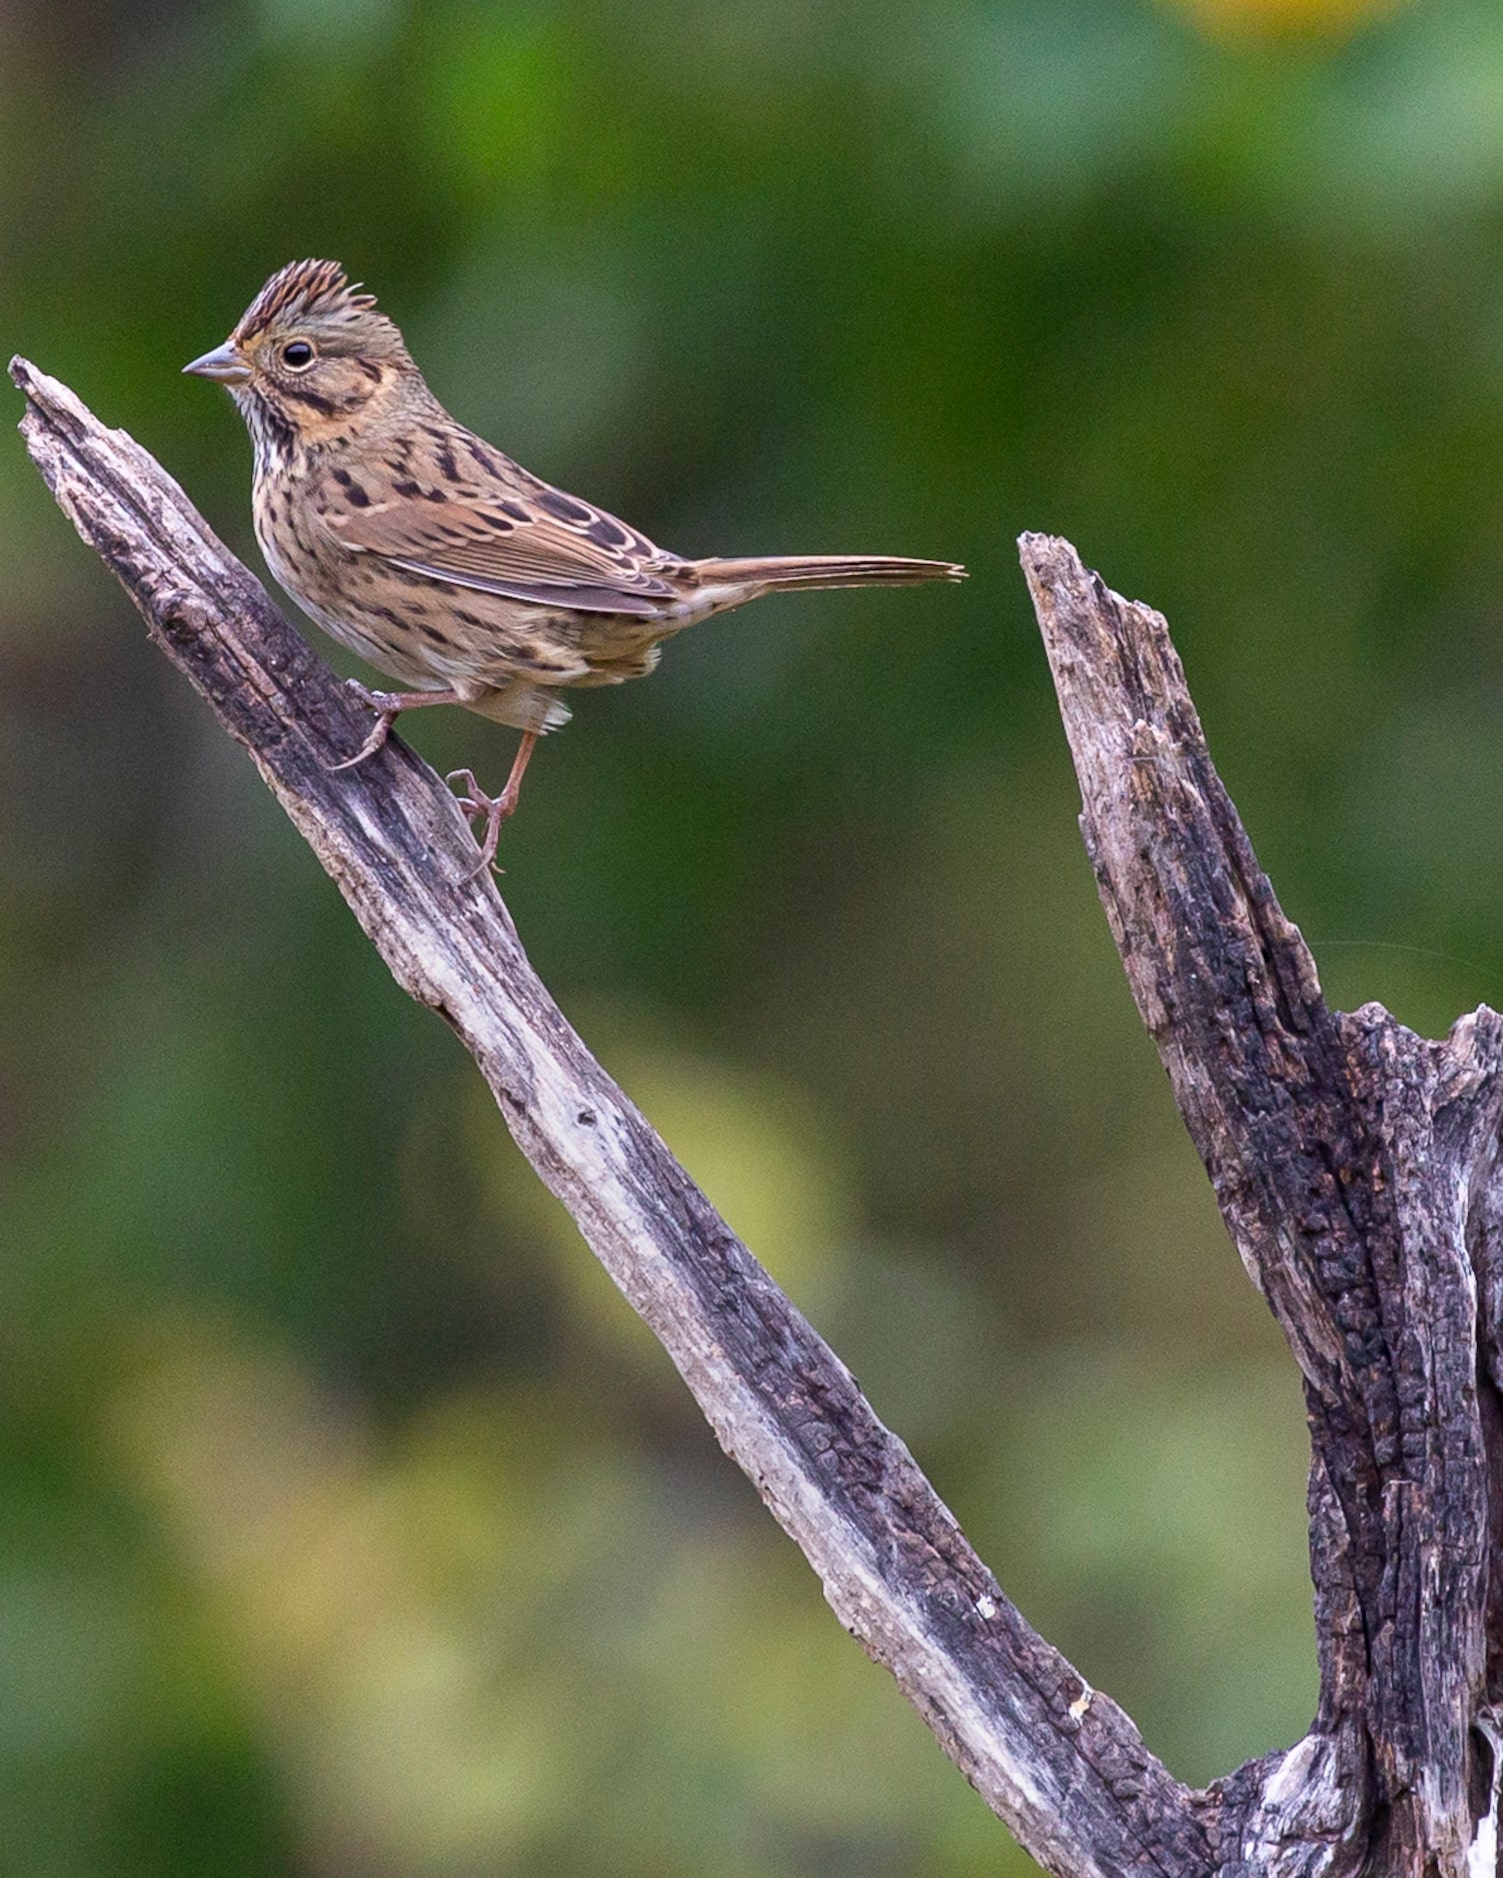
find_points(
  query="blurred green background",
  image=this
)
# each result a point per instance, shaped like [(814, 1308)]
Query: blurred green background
[(348, 1522)]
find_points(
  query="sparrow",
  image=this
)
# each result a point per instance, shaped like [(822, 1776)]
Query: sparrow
[(435, 556)]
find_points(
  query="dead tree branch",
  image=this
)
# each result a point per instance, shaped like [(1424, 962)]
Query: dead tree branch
[(1061, 1764), (1355, 1163), (1355, 1167)]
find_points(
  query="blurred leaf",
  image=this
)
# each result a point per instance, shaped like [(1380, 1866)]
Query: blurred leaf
[(352, 1518)]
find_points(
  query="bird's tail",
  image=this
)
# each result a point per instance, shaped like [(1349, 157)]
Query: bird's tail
[(775, 573)]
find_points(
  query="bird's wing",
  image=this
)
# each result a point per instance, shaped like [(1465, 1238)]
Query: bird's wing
[(527, 542)]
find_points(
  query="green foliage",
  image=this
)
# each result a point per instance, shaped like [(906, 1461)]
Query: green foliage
[(348, 1522)]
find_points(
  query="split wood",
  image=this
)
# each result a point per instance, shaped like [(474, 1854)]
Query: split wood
[(1355, 1163)]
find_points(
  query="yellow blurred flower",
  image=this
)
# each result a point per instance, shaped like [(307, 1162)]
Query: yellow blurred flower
[(1284, 19)]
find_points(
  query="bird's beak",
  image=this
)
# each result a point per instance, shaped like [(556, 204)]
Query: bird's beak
[(224, 364)]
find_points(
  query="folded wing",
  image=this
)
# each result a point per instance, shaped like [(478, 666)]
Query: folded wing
[(534, 544)]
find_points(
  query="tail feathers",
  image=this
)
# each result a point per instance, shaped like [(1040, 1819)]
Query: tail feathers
[(779, 572)]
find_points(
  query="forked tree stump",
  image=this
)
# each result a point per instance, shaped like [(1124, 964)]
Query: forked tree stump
[(1354, 1163)]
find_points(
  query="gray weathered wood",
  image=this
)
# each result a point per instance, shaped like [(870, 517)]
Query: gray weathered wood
[(1060, 1763), (1355, 1167)]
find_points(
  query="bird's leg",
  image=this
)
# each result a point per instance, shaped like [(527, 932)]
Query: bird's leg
[(386, 705), (496, 809)]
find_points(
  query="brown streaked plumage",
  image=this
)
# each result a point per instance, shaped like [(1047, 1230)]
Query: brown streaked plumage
[(436, 557)]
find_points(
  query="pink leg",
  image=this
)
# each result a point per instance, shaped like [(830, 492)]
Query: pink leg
[(387, 704), (496, 809)]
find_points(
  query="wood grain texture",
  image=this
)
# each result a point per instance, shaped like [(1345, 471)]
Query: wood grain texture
[(1356, 1166), (1059, 1762), (1354, 1163)]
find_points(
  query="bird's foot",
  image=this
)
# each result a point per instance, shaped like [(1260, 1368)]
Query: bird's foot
[(386, 705), (474, 802), (386, 712)]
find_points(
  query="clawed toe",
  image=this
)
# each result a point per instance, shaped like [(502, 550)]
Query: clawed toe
[(372, 743), (386, 705), (474, 802)]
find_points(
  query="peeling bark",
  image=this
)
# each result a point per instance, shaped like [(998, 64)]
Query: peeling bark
[(1355, 1164), (1062, 1765)]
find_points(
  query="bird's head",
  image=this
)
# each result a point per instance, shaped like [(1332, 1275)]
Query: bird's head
[(310, 358)]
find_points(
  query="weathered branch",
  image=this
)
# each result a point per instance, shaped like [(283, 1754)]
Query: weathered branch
[(1355, 1164), (1061, 1764)]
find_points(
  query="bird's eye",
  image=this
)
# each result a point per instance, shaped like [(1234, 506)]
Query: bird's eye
[(297, 353)]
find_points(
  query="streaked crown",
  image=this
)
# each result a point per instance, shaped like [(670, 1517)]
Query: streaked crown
[(310, 359), (315, 291)]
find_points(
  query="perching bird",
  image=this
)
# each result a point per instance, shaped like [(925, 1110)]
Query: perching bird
[(434, 556)]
